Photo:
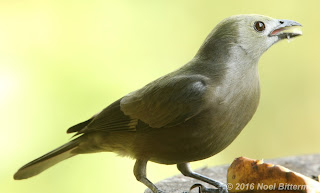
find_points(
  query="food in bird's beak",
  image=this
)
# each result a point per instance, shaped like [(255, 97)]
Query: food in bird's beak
[(287, 32)]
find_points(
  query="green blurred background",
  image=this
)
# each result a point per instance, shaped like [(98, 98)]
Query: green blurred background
[(63, 61)]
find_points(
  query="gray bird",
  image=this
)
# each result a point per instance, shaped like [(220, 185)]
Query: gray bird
[(187, 115)]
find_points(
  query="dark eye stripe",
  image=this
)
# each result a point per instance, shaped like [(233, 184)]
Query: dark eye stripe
[(259, 26)]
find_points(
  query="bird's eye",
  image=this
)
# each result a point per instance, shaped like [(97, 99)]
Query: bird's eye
[(259, 26)]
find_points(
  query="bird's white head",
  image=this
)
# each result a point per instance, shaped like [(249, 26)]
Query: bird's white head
[(257, 33)]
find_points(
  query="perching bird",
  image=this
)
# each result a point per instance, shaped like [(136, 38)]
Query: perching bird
[(187, 115)]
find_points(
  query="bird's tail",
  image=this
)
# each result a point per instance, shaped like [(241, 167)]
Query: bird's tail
[(44, 162)]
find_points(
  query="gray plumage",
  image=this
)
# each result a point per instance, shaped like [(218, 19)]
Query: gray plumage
[(187, 115)]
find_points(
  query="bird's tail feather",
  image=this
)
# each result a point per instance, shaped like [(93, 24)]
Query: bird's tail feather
[(44, 162)]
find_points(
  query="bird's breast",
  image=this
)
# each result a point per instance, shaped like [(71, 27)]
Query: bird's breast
[(234, 104)]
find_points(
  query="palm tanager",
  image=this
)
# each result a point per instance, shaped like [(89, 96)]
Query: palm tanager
[(187, 115)]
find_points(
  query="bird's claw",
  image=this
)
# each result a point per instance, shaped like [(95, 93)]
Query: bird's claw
[(203, 189), (159, 191), (223, 189)]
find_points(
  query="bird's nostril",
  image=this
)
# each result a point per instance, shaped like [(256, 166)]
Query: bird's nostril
[(281, 22)]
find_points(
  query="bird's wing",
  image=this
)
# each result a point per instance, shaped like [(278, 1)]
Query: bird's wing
[(167, 101)]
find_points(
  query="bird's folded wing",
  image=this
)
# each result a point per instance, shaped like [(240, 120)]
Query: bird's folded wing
[(167, 101), (164, 102)]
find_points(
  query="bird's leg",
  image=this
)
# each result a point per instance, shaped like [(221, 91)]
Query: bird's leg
[(186, 170), (139, 171)]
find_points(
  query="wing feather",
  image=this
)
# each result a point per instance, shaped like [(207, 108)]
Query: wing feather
[(167, 101)]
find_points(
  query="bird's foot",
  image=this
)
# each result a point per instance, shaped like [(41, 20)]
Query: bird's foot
[(202, 189)]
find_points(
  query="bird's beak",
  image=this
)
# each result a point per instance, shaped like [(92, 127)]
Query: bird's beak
[(287, 29)]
